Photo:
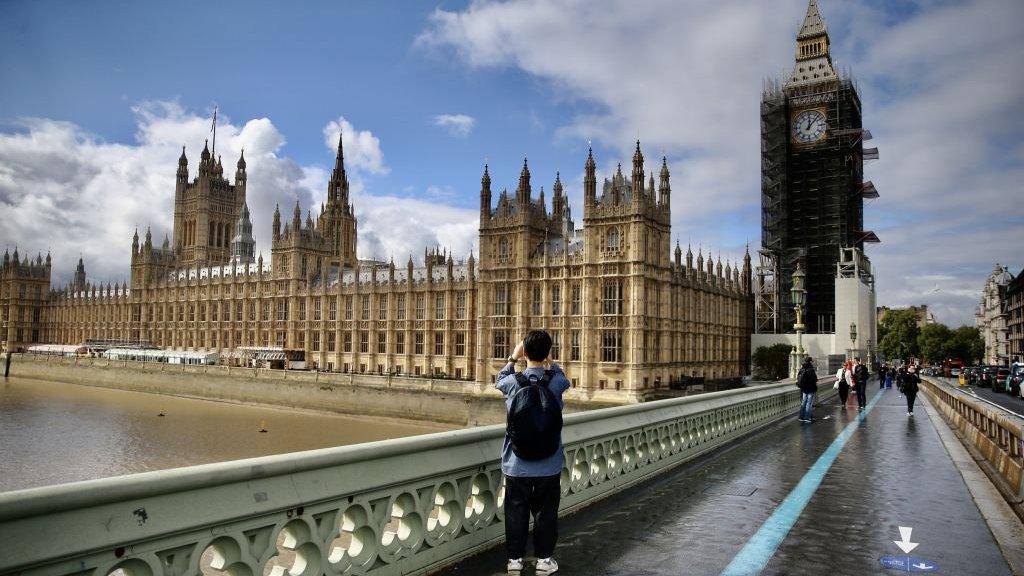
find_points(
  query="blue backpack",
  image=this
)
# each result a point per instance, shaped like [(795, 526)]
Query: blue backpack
[(534, 426)]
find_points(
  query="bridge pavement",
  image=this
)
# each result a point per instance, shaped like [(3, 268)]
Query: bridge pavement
[(705, 516)]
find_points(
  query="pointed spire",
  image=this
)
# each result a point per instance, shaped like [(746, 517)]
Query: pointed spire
[(813, 59), (277, 222), (205, 155), (167, 242), (241, 162), (485, 195), (590, 180), (814, 24), (296, 216), (182, 160), (149, 237), (523, 192), (664, 188), (339, 158)]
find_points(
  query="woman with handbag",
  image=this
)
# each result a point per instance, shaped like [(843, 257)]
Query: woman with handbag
[(843, 385)]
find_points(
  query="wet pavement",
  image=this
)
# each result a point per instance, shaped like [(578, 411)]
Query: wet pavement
[(892, 471)]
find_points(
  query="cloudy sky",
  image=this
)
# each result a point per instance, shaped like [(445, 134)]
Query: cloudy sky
[(96, 100)]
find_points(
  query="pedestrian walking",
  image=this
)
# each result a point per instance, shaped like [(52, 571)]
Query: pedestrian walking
[(901, 372), (532, 456), (843, 385), (807, 381), (860, 382), (889, 373), (910, 386), (883, 370)]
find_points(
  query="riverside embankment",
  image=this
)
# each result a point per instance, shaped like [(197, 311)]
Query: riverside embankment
[(456, 402)]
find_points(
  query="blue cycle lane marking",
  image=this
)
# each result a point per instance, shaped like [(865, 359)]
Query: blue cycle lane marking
[(762, 545)]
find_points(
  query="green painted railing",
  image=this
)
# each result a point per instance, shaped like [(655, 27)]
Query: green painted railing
[(404, 506)]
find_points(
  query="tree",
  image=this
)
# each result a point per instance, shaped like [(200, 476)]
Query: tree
[(772, 362), (936, 343), (898, 332), (967, 344)]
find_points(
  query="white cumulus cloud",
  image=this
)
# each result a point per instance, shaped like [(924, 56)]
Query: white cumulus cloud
[(69, 191), (687, 77), (458, 125)]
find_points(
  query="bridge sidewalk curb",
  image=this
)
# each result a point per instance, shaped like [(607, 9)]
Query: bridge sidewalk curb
[(1003, 522)]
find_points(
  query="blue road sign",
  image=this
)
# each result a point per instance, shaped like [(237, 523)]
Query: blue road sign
[(908, 564)]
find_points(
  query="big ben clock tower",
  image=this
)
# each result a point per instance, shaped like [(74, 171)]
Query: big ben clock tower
[(812, 186)]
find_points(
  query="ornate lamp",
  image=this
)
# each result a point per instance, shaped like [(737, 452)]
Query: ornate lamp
[(799, 296)]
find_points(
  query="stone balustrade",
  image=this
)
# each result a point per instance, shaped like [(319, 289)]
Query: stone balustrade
[(404, 506), (994, 436)]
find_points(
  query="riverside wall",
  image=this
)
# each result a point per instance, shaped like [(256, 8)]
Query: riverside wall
[(458, 402)]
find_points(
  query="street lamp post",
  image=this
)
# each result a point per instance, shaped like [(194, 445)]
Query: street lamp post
[(799, 295)]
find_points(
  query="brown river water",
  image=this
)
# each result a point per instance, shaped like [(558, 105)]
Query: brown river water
[(52, 432)]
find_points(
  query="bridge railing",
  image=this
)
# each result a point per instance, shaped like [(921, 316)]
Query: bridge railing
[(403, 506), (994, 435)]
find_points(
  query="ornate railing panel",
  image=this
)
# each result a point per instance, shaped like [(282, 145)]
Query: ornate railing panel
[(404, 506)]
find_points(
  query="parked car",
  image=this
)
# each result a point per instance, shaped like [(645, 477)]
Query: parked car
[(969, 376), (1001, 375), (986, 377), (1015, 378)]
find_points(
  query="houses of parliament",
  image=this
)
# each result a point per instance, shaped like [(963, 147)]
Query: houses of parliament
[(628, 314)]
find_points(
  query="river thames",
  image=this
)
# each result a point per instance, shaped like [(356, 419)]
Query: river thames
[(52, 432)]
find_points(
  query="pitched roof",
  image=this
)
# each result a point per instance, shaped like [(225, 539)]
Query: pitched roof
[(814, 24)]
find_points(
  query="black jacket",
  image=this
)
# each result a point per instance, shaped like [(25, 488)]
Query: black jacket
[(910, 382), (860, 374), (807, 379)]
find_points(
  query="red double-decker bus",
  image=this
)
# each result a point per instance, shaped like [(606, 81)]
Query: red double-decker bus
[(952, 366)]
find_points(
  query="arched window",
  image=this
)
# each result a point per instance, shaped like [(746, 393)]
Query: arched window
[(612, 240), (504, 250)]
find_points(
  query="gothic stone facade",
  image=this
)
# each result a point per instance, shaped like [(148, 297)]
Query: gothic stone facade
[(626, 316), (992, 315)]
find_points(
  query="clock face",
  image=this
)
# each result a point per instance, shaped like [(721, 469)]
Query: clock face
[(809, 126)]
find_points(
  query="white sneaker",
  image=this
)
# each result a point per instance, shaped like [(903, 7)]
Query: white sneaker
[(515, 566), (910, 413), (546, 566)]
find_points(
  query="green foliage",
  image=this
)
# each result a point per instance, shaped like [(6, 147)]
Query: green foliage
[(936, 343), (897, 335), (772, 362), (968, 344)]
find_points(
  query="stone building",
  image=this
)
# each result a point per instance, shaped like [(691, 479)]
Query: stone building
[(24, 294), (1015, 318), (991, 316), (627, 313), (924, 316)]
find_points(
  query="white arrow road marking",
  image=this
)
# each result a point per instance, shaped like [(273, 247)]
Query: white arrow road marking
[(922, 566), (905, 544)]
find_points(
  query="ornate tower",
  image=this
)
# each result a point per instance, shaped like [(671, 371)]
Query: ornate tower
[(206, 211), (79, 282), (812, 187), (631, 220), (243, 246), (337, 221)]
